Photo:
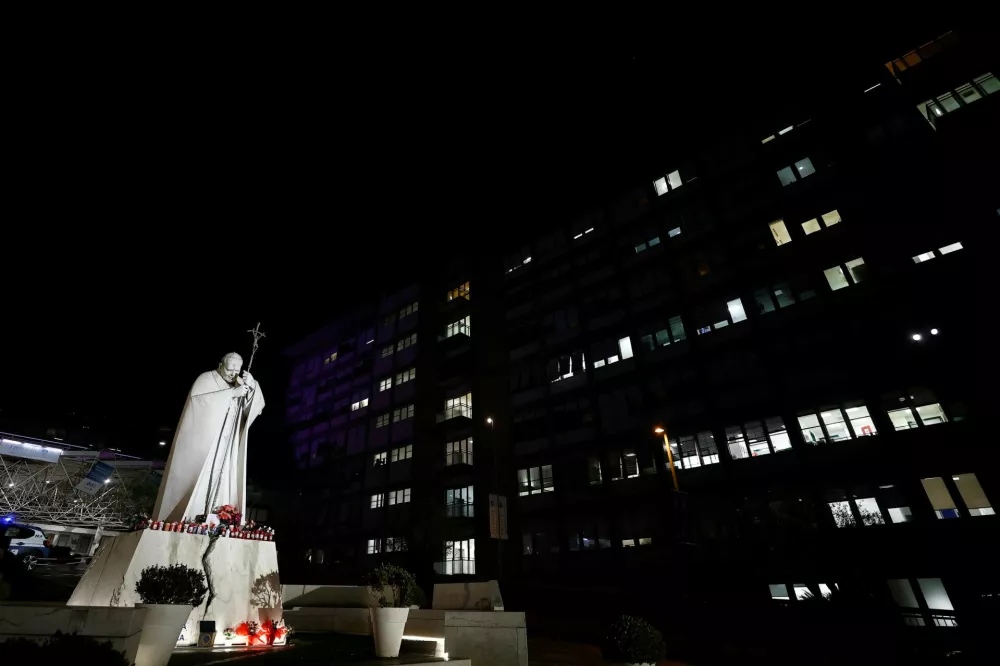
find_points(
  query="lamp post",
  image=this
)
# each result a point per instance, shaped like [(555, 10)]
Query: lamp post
[(660, 430)]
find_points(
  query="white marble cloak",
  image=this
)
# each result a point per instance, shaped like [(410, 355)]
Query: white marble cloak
[(207, 463)]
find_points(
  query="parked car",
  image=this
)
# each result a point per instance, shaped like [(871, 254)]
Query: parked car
[(27, 542)]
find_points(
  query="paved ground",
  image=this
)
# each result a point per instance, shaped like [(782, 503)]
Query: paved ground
[(358, 650)]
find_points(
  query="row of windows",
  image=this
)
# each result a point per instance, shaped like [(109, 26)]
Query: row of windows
[(868, 511), (931, 254), (396, 455), (654, 241), (401, 344), (392, 498), (667, 183), (461, 291), (782, 132), (461, 327), (401, 378), (408, 310), (753, 439), (781, 235), (387, 545), (400, 414), (801, 169), (963, 95)]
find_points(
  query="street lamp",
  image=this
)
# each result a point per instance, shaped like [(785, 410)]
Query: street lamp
[(660, 430)]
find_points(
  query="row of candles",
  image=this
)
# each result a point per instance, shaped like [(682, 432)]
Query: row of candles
[(231, 531)]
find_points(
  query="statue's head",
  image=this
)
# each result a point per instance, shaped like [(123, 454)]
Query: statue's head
[(229, 366)]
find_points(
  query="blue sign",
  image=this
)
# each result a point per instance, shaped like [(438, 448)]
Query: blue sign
[(98, 475)]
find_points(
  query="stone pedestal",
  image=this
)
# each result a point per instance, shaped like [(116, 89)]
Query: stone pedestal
[(244, 575)]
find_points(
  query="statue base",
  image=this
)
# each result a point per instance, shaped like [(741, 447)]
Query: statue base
[(244, 574)]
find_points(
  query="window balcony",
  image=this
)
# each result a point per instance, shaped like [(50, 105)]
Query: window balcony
[(455, 567), (460, 510), (458, 458), (458, 411)]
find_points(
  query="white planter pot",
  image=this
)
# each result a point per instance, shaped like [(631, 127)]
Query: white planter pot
[(387, 625), (159, 633)]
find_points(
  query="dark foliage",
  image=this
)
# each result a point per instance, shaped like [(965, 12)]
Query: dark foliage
[(63, 649), (632, 640), (176, 584), (391, 578)]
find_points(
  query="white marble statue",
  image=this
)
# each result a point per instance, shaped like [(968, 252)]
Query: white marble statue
[(207, 463)]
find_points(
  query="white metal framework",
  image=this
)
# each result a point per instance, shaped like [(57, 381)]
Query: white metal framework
[(45, 492)]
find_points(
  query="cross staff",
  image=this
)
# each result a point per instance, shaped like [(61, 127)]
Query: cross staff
[(257, 335)]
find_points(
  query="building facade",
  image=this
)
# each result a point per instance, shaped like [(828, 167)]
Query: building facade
[(751, 377)]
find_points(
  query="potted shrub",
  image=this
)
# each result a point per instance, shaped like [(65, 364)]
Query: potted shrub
[(393, 587), (168, 594), (632, 640)]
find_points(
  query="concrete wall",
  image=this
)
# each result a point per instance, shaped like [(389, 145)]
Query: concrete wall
[(121, 626)]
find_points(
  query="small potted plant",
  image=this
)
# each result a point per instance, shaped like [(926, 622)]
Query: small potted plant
[(632, 640), (168, 594), (393, 587)]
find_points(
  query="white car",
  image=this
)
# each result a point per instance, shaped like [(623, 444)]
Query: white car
[(27, 542)]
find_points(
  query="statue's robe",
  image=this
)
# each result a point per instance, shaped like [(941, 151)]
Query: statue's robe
[(207, 463)]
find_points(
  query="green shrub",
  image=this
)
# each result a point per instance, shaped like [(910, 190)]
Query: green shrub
[(632, 640), (392, 579), (176, 584), (62, 649)]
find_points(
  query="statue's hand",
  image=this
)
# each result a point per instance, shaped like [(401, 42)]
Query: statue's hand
[(249, 381), (239, 391)]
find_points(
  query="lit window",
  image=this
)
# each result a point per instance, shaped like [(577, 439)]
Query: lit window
[(861, 421), (842, 514), (385, 384), (628, 543), (461, 327), (779, 591), (379, 459), (690, 451), (387, 351), (805, 167), (831, 218), (673, 233), (968, 93), (801, 592), (786, 176), (940, 498), (900, 514), (395, 545), (355, 406), (401, 496), (645, 541), (736, 311), (669, 182), (640, 247), (458, 502), (780, 232), (374, 546), (812, 432), (948, 249), (836, 278), (926, 256), (535, 480), (988, 83), (625, 347), (382, 420), (935, 594), (835, 424), (973, 495), (944, 621), (662, 337), (406, 342), (405, 376), (737, 443), (653, 242), (402, 453), (811, 226), (456, 407), (459, 558), (408, 310), (402, 413), (869, 511), (768, 139), (458, 453), (377, 501), (777, 433), (461, 291)]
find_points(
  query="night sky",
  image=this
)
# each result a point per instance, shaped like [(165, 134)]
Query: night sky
[(166, 201)]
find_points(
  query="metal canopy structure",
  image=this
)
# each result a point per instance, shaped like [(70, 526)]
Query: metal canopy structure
[(44, 491)]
